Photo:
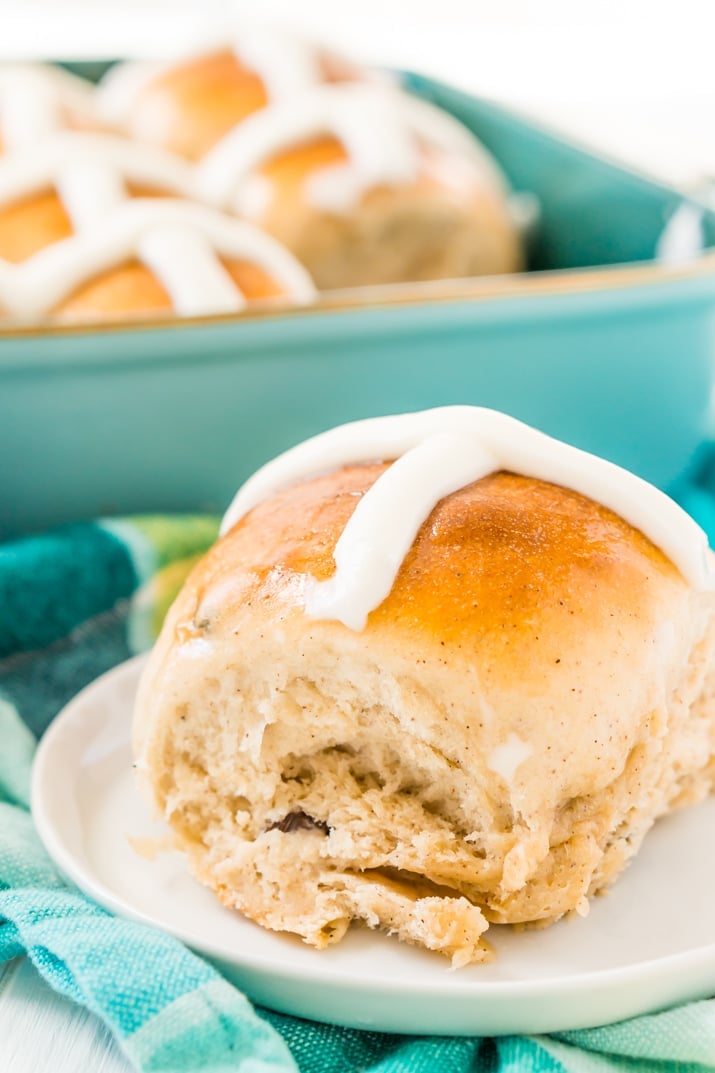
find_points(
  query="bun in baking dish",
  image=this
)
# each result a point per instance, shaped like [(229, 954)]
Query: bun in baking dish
[(367, 186), (362, 183), (94, 226), (69, 182), (152, 255), (491, 746), (188, 104), (133, 289)]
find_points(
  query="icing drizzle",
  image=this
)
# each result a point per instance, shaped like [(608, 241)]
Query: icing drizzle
[(35, 101), (382, 129), (438, 452), (89, 172), (181, 242), (286, 65)]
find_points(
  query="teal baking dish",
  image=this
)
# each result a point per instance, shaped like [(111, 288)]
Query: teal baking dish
[(172, 415)]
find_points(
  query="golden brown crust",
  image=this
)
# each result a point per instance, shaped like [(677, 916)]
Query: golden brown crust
[(29, 225), (288, 170), (132, 289), (128, 289), (423, 230), (427, 229), (253, 281), (197, 102), (500, 564)]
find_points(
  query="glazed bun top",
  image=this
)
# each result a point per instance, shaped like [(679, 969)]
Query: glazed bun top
[(355, 138), (510, 576), (513, 576), (203, 261), (189, 103), (71, 181), (440, 452), (516, 596)]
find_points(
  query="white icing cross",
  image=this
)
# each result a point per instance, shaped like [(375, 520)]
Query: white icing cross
[(286, 66), (34, 100), (181, 242), (439, 451), (90, 171), (382, 130)]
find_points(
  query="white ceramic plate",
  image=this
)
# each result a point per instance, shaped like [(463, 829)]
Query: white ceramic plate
[(648, 944)]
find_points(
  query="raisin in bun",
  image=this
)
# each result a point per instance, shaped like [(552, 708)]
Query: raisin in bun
[(189, 104), (367, 185), (434, 694), (155, 255)]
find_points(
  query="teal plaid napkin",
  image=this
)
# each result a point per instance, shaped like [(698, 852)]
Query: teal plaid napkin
[(74, 603)]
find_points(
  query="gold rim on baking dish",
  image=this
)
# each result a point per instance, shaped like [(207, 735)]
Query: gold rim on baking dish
[(432, 292)]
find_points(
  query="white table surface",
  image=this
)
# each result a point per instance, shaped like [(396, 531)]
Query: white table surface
[(591, 70), (40, 1032)]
